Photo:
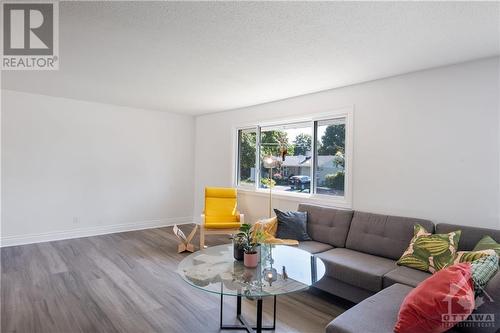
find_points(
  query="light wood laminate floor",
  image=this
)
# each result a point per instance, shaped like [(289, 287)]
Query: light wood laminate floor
[(126, 282)]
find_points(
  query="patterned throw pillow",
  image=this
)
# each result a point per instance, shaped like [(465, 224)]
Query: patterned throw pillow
[(483, 270), (430, 252), (267, 226), (487, 243), (470, 256)]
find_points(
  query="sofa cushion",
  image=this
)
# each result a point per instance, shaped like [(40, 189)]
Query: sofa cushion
[(314, 247), (356, 268), (376, 314), (470, 235), (404, 275), (382, 235), (326, 224), (342, 289)]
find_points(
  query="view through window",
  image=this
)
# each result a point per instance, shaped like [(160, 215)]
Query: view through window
[(307, 157), (291, 146), (247, 141), (330, 157)]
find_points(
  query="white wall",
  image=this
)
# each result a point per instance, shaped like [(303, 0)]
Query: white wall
[(73, 168), (426, 144)]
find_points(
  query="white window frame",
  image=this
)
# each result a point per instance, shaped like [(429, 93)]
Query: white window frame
[(345, 201)]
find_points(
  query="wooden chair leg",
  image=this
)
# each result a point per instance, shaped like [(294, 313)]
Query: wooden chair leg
[(202, 237)]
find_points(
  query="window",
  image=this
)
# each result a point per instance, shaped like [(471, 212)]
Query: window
[(330, 157), (304, 158), (247, 153), (290, 146)]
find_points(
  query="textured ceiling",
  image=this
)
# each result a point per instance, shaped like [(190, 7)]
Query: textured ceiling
[(201, 57)]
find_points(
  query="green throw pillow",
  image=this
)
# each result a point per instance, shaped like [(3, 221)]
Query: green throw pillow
[(470, 256), (487, 243), (430, 252), (483, 270)]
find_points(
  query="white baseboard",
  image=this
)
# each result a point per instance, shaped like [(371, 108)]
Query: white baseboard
[(91, 231)]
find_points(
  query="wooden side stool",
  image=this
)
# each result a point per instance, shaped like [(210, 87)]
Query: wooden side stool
[(185, 242)]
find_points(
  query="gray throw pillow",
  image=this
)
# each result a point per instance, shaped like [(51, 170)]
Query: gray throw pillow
[(292, 225)]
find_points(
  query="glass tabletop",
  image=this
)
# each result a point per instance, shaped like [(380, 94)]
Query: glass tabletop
[(282, 269)]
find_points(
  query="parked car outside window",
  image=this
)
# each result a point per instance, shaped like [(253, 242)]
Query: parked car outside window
[(300, 183)]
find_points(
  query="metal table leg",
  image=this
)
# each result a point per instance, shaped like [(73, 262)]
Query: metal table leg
[(258, 328)]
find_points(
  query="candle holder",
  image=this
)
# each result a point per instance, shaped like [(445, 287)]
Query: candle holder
[(270, 275)]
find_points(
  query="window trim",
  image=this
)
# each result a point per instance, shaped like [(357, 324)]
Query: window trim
[(344, 202)]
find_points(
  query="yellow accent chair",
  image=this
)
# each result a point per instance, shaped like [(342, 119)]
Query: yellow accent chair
[(220, 216)]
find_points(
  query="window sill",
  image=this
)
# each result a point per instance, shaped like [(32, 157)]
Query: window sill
[(340, 202)]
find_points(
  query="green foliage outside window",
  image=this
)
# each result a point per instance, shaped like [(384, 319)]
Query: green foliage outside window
[(270, 143), (302, 144), (335, 181), (333, 140), (266, 181), (247, 153)]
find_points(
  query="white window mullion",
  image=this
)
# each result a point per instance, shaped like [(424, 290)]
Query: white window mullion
[(313, 158)]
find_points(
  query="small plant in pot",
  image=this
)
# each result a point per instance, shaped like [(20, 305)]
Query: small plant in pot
[(239, 247), (251, 243)]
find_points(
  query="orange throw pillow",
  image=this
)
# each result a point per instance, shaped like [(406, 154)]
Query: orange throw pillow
[(439, 302), (269, 227)]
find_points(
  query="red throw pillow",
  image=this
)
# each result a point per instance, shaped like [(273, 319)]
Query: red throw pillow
[(439, 302)]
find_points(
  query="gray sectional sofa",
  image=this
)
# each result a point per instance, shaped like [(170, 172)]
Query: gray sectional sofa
[(360, 251)]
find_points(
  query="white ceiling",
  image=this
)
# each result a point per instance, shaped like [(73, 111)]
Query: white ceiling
[(202, 57)]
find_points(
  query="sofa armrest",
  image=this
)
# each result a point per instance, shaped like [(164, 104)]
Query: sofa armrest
[(242, 218), (202, 221)]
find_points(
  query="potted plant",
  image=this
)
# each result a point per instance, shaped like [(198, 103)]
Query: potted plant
[(239, 247), (251, 243)]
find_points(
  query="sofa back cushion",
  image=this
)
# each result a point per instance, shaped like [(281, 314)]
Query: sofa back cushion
[(470, 235), (382, 235), (326, 224)]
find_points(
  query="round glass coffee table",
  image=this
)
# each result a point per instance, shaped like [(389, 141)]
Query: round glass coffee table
[(281, 270)]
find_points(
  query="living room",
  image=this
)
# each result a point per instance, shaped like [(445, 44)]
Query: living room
[(248, 166)]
